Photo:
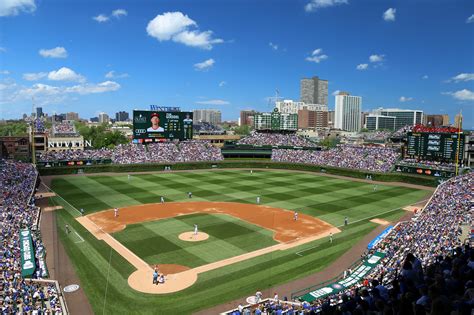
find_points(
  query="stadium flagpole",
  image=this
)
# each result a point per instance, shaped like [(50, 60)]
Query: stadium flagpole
[(459, 142)]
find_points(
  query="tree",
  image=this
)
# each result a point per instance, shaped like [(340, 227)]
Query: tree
[(243, 130), (16, 128)]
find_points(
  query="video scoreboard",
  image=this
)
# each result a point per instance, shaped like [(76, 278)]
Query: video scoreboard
[(154, 126), (435, 146)]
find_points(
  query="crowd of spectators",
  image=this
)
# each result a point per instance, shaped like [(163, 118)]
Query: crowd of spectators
[(276, 139), (166, 152), (158, 152), (402, 132), (17, 212), (377, 135), (369, 158), (64, 128), (75, 155), (427, 269)]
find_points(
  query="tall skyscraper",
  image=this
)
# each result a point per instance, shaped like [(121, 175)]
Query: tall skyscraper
[(72, 116), (39, 112), (212, 116), (314, 91), (104, 118), (121, 116), (246, 117), (348, 112)]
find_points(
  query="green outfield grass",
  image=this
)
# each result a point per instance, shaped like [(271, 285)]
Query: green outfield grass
[(328, 198), (157, 241)]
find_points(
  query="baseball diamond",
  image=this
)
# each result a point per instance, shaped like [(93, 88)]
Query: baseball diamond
[(249, 247)]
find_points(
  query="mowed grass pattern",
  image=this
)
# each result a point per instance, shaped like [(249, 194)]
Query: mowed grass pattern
[(158, 242), (328, 198), (104, 273)]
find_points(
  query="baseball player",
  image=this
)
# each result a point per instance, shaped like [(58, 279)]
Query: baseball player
[(258, 200), (66, 227), (116, 212), (295, 216), (346, 220), (375, 188), (162, 199), (195, 229), (82, 211), (330, 237), (251, 172), (190, 194), (129, 177)]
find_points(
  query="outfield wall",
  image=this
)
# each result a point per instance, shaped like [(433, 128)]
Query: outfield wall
[(246, 164)]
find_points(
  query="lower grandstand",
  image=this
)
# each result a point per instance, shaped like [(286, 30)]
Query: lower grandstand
[(22, 261)]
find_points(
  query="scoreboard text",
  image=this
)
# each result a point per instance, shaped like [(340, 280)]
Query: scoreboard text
[(435, 146)]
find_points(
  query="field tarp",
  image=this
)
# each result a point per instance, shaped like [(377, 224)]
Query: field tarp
[(27, 254)]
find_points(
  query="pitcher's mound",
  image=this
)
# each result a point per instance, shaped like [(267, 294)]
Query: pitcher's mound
[(190, 237)]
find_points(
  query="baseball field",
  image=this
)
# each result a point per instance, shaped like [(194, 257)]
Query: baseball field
[(150, 229)]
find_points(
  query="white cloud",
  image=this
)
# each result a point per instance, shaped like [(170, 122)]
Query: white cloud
[(34, 76), (317, 56), (113, 75), (314, 5), (4, 72), (106, 86), (213, 102), (205, 65), (362, 66), (65, 74), (376, 58), (273, 46), (470, 19), (389, 15), (119, 12), (15, 7), (336, 92), (405, 99), (176, 26), (101, 18), (463, 77), (57, 52), (425, 77), (462, 95), (222, 83)]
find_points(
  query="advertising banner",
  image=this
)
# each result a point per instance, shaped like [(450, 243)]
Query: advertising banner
[(356, 276), (27, 254), (379, 237)]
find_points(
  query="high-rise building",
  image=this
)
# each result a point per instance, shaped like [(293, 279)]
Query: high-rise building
[(246, 117), (72, 116), (312, 119), (39, 112), (331, 115), (457, 120), (348, 112), (314, 91), (292, 107), (379, 122), (212, 116), (104, 118), (121, 116), (404, 117), (363, 117)]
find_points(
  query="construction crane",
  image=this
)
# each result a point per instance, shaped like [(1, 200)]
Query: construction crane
[(273, 99)]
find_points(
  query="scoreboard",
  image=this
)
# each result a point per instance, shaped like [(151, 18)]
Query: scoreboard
[(435, 146), (152, 126)]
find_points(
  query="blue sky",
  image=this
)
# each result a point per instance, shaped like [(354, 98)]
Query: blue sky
[(233, 54)]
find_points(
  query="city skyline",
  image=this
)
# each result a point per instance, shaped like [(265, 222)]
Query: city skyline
[(109, 57)]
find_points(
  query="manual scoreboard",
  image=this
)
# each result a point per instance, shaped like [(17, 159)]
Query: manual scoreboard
[(435, 146), (151, 126)]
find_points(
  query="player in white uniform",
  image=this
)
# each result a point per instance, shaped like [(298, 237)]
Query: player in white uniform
[(375, 188), (116, 212), (258, 200), (295, 216), (195, 229), (162, 199)]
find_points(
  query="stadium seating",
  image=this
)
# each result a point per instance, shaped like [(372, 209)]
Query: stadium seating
[(18, 212)]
